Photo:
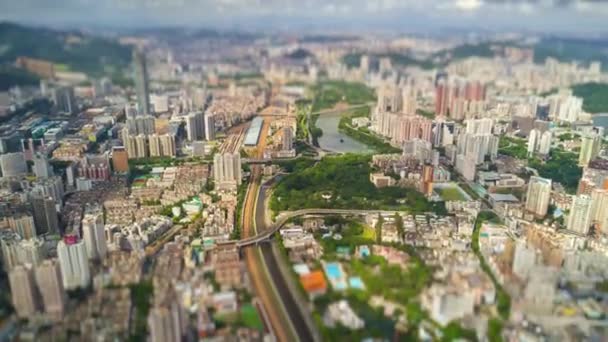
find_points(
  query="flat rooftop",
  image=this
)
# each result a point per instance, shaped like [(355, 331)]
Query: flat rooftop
[(253, 133)]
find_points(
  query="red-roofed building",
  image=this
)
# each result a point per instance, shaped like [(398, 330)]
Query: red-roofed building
[(314, 283)]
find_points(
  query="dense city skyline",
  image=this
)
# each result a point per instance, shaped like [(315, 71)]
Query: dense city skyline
[(172, 184)]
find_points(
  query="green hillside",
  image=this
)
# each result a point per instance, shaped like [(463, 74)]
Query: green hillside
[(595, 96), (353, 60), (11, 76), (74, 50), (565, 50), (568, 50)]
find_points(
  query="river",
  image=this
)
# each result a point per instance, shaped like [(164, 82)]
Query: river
[(335, 141), (601, 120)]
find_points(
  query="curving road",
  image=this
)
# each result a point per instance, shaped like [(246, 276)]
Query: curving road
[(296, 315), (278, 320), (265, 234)]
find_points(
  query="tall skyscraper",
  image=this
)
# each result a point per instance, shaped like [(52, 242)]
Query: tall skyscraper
[(160, 103), (539, 193), (545, 143), (443, 132), (209, 127), (466, 165), (49, 187), (23, 291), (458, 99), (442, 91), (141, 145), (227, 169), (136, 145), (479, 146), (45, 214), (154, 145), (568, 108), (364, 64), (418, 149), (162, 145), (409, 99), (23, 224), (130, 111), (599, 209), (65, 100), (141, 81), (401, 128), (72, 255), (195, 126), (142, 124), (13, 164), (389, 99), (16, 251), (50, 285), (579, 218), (384, 64), (167, 145), (287, 138), (42, 168), (94, 236), (133, 145), (427, 180), (590, 148), (533, 141), (479, 126), (165, 323)]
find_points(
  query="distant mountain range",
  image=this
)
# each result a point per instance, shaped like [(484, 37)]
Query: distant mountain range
[(70, 50), (583, 51), (96, 56)]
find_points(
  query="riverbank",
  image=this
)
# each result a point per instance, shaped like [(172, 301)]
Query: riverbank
[(364, 135), (332, 139)]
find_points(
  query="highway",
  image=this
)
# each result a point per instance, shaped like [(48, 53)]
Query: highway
[(299, 322), (270, 160), (288, 320), (259, 275)]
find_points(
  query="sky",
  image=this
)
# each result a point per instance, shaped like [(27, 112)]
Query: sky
[(558, 16)]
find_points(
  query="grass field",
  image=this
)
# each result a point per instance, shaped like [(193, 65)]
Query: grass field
[(246, 317), (61, 67), (369, 233), (329, 93), (250, 317), (451, 194)]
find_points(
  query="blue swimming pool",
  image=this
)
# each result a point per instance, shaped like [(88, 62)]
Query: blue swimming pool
[(336, 276), (356, 283), (333, 270)]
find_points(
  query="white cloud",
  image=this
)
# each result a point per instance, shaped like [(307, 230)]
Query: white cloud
[(559, 15), (468, 5), (329, 8), (526, 8)]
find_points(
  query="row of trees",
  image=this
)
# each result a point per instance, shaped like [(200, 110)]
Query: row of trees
[(365, 136), (595, 96), (561, 166)]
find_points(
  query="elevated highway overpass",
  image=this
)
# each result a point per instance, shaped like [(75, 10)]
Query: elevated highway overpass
[(285, 217)]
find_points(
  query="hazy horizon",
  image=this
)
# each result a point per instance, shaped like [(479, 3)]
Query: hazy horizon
[(542, 16)]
